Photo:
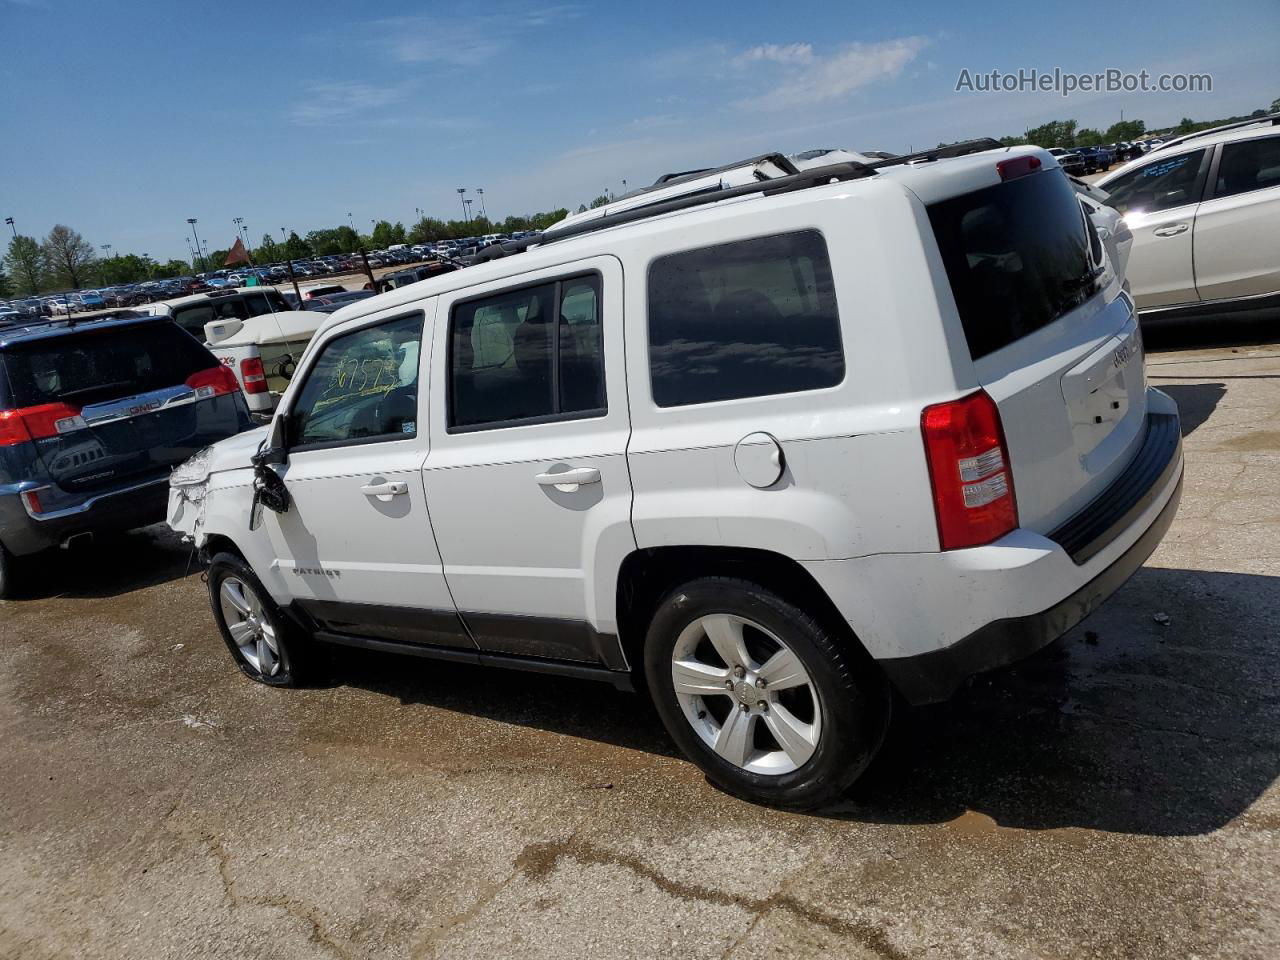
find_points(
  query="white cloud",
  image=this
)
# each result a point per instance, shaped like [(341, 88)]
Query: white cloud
[(464, 41), (804, 78), (329, 103), (777, 53)]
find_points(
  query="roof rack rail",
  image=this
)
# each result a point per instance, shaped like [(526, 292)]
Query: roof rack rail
[(778, 159), (813, 177), (961, 149), (1271, 119)]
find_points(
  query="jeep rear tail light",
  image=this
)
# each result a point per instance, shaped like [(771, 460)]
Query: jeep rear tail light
[(969, 468), (36, 423), (213, 382), (252, 375)]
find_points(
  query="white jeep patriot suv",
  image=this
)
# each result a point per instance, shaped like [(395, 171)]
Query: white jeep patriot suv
[(771, 443)]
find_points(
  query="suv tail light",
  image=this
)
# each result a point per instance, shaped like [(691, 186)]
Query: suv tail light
[(36, 423), (213, 382), (969, 469), (252, 375)]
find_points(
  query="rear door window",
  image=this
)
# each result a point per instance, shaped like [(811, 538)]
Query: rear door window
[(94, 366), (746, 319), (1017, 255), (1248, 165), (531, 354)]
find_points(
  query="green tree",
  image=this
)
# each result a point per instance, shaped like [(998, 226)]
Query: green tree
[(268, 250), (1088, 137), (68, 255), (295, 248), (1055, 133), (1275, 105), (5, 289), (173, 268), (428, 230), (1126, 130), (217, 259), (25, 261), (385, 234), (1187, 125), (126, 268), (599, 201), (330, 241)]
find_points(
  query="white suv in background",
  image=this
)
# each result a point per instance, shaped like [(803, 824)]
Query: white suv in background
[(769, 450), (1204, 211)]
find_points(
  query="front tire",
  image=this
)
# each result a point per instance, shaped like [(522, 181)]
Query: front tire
[(265, 646), (772, 705)]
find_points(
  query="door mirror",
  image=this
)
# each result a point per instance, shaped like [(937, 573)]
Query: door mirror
[(275, 449)]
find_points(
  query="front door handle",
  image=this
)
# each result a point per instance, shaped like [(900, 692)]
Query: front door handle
[(385, 491), (568, 481), (1172, 230)]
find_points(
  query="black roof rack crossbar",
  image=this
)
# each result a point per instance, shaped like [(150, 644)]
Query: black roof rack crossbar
[(813, 177), (961, 149), (778, 159)]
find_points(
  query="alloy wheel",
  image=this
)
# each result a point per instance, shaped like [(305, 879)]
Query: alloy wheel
[(746, 694), (250, 626)]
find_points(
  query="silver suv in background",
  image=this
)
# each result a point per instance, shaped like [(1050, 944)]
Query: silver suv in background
[(1204, 211)]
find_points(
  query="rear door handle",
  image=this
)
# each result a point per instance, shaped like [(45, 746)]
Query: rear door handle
[(385, 491), (568, 481), (1171, 231)]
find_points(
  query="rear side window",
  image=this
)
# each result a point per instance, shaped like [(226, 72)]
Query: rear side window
[(94, 366), (746, 319), (1248, 165), (531, 354), (1017, 255)]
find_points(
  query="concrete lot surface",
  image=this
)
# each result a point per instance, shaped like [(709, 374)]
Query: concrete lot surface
[(1115, 796)]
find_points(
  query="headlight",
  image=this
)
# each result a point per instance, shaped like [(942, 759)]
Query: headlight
[(192, 472)]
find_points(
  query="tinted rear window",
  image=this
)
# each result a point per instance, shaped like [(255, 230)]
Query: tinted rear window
[(745, 319), (1017, 256), (93, 366)]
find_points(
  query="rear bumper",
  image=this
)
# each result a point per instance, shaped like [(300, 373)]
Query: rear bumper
[(136, 506), (931, 677), (933, 619)]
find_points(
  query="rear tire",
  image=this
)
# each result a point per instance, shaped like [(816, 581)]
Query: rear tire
[(772, 705), (264, 644)]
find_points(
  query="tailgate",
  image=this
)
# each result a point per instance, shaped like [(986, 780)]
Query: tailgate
[(1064, 365), (1072, 419), (126, 407)]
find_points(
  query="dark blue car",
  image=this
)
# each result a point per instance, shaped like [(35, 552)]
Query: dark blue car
[(93, 416)]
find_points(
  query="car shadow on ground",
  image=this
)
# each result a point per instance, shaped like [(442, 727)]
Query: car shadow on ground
[(1196, 401), (1126, 724), (112, 565), (1243, 329)]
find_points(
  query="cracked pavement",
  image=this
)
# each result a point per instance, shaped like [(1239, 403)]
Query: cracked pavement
[(1113, 797)]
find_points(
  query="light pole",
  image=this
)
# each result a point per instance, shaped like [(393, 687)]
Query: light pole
[(624, 186), (9, 221), (466, 206), (462, 196), (204, 265), (107, 247), (480, 193), (350, 221)]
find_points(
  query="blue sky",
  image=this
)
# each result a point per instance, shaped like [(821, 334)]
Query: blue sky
[(122, 119)]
